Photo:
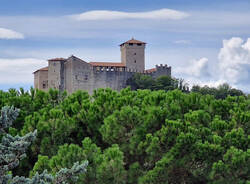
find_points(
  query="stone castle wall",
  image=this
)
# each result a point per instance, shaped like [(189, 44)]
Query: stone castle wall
[(161, 70), (81, 75), (41, 80), (56, 75), (105, 78), (73, 73)]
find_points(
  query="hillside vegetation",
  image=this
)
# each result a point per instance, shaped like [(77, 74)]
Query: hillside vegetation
[(143, 136)]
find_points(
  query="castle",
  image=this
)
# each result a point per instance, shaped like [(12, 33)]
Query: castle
[(72, 74)]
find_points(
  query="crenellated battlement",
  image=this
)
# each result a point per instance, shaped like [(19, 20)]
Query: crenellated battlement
[(161, 70), (156, 72), (163, 67), (115, 69)]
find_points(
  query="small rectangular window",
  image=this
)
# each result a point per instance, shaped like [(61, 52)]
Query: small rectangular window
[(131, 44), (86, 77), (139, 44), (45, 84)]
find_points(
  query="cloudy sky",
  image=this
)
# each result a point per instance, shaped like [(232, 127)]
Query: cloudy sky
[(205, 42)]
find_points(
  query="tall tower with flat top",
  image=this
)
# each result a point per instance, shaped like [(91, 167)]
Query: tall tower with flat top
[(133, 54)]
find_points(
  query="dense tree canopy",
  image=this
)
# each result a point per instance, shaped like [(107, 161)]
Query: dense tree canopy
[(12, 150), (221, 92), (166, 83), (143, 136), (140, 81)]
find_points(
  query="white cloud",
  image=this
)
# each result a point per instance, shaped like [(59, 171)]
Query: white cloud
[(232, 67), (19, 71), (234, 60), (167, 14), (201, 82), (10, 34), (200, 26), (195, 68)]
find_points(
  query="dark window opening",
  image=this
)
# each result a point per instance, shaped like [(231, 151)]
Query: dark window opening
[(134, 53), (135, 61), (86, 77), (139, 44), (76, 77), (45, 84), (131, 44)]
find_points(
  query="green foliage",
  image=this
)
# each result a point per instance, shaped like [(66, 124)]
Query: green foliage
[(8, 115), (227, 170), (64, 176), (143, 136), (221, 92), (110, 166), (140, 81), (104, 167), (12, 150)]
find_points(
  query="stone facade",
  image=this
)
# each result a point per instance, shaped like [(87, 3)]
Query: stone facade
[(73, 73), (41, 79), (133, 55)]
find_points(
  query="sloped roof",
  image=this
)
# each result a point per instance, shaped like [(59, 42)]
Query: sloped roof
[(76, 58), (151, 70), (57, 59), (133, 41), (42, 69), (108, 64)]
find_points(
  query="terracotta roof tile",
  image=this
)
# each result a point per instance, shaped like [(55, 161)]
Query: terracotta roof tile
[(42, 69), (133, 41), (151, 70), (57, 59), (107, 64)]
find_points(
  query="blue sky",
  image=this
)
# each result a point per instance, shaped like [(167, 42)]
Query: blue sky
[(205, 42)]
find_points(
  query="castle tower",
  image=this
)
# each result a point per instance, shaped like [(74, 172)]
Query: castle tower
[(133, 54), (56, 73)]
